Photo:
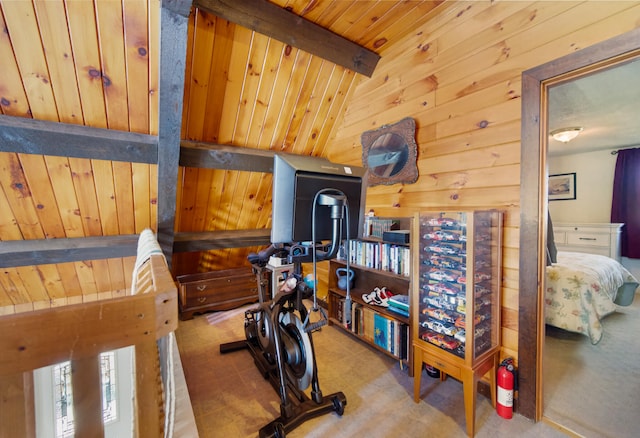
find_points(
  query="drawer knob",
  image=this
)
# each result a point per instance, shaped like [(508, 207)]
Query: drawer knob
[(202, 299), (201, 287), (587, 238)]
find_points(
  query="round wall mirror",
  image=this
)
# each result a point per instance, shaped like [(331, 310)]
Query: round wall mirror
[(389, 153)]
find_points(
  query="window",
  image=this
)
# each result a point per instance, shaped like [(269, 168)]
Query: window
[(54, 397), (63, 399), (63, 394), (109, 385)]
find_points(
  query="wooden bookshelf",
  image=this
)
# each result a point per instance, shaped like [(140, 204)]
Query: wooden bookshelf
[(364, 319)]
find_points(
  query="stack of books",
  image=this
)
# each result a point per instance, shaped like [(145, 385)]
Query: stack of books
[(391, 335), (375, 226), (399, 304)]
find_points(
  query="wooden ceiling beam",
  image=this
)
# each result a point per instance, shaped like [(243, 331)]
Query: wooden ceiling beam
[(14, 253), (210, 240), (275, 22), (30, 136), (216, 156), (180, 7)]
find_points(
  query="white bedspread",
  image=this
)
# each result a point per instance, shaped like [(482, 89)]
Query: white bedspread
[(580, 290)]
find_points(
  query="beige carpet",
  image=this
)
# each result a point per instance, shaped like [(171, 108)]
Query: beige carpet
[(595, 389), (231, 399)]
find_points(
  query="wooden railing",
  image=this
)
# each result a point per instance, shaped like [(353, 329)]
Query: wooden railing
[(79, 333)]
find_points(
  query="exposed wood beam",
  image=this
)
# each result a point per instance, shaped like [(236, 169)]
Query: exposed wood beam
[(209, 240), (30, 136), (180, 7), (15, 253), (173, 51), (273, 21), (215, 156)]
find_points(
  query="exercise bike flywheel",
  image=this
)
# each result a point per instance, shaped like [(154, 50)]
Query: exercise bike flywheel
[(298, 351), (265, 331)]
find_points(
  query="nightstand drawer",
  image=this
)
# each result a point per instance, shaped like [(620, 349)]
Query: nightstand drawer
[(216, 290), (591, 239), (210, 291)]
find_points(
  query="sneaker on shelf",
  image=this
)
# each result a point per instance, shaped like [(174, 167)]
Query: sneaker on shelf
[(382, 297), (384, 293), (376, 298)]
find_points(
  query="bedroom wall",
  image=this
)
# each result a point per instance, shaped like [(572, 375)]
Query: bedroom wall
[(594, 191), (594, 183)]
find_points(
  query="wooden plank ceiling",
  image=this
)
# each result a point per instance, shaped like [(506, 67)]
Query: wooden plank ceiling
[(95, 66), (270, 96)]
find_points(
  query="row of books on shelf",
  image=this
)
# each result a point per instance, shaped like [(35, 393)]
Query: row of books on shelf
[(387, 333), (376, 226), (379, 255)]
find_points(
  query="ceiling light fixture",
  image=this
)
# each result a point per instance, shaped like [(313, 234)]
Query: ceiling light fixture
[(565, 135)]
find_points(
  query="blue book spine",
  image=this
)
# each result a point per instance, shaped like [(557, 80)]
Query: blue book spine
[(380, 327)]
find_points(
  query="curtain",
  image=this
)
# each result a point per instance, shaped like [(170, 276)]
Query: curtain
[(625, 207)]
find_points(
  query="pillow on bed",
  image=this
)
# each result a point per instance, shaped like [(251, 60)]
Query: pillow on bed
[(552, 251)]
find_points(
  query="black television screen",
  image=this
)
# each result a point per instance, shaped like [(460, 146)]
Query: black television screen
[(296, 181)]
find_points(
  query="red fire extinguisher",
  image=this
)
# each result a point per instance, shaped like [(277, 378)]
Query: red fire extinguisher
[(506, 384)]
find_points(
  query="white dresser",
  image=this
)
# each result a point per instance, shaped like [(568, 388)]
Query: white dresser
[(603, 239)]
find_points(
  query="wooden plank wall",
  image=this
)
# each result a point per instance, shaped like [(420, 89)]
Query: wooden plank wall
[(459, 77), (63, 62)]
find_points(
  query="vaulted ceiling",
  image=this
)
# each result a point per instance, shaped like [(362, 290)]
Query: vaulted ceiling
[(96, 98)]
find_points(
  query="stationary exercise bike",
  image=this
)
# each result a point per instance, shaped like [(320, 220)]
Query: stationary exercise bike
[(278, 330)]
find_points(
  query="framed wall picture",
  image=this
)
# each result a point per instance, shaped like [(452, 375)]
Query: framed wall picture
[(562, 186)]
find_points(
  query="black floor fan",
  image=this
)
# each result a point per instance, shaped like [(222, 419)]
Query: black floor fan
[(279, 330)]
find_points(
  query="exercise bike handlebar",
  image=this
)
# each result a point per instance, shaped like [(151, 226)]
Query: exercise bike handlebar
[(262, 257)]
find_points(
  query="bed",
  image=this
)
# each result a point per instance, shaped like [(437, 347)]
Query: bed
[(581, 289)]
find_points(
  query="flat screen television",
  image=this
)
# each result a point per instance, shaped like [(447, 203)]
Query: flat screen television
[(296, 181)]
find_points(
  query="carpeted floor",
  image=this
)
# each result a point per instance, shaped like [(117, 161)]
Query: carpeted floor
[(231, 399), (594, 390)]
